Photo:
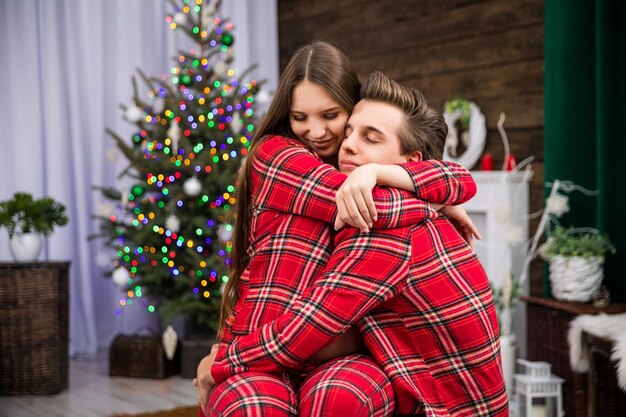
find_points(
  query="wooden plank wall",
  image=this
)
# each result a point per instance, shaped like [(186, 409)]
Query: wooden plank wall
[(488, 51)]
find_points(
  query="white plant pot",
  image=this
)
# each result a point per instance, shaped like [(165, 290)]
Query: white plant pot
[(25, 247), (508, 348), (573, 278)]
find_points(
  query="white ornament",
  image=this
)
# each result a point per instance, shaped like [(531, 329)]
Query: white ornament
[(172, 223), (514, 235), (503, 213), (173, 132), (120, 276), (225, 232), (263, 97), (112, 155), (103, 259), (220, 68), (192, 186), (106, 210), (180, 18), (133, 113), (557, 204), (170, 341), (236, 125)]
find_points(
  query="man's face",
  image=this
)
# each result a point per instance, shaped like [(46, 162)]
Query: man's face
[(372, 136)]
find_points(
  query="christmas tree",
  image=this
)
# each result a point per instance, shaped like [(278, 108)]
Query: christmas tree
[(170, 229)]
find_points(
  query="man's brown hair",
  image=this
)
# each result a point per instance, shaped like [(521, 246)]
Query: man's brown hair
[(425, 129)]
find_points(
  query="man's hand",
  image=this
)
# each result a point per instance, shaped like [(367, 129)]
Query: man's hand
[(462, 222), (355, 204), (204, 381)]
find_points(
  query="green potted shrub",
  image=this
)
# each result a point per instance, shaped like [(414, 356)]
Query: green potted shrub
[(576, 262), (26, 220)]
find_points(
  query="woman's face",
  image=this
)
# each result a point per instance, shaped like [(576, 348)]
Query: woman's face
[(317, 119)]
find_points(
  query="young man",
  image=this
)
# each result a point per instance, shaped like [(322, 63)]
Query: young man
[(419, 296)]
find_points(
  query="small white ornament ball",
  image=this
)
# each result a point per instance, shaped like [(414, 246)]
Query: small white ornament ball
[(133, 113), (220, 68), (192, 186), (120, 276), (503, 213), (558, 205), (180, 18), (172, 223), (263, 97)]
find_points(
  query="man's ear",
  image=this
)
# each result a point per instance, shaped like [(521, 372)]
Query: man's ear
[(415, 156)]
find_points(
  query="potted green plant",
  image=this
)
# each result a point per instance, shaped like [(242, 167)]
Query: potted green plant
[(576, 262), (26, 220)]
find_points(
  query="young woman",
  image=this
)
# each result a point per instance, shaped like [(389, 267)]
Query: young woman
[(286, 207)]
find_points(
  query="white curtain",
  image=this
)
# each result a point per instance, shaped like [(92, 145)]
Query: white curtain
[(65, 66)]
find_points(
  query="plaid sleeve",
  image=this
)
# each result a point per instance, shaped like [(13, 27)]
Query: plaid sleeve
[(227, 335), (441, 182), (289, 178), (365, 270)]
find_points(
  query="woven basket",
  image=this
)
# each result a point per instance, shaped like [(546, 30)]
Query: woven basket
[(33, 328), (573, 278)]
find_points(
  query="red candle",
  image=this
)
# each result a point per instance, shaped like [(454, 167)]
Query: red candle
[(486, 162), (510, 162)]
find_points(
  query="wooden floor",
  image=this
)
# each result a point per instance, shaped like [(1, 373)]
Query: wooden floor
[(92, 393)]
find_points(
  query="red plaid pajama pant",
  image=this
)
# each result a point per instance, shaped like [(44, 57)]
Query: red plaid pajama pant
[(352, 385)]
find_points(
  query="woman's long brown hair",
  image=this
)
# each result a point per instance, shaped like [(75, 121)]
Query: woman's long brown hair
[(320, 63)]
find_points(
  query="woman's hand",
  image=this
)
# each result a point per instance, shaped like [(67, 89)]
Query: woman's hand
[(462, 222), (204, 381), (355, 204)]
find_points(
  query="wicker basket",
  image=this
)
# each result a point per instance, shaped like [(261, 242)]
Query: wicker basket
[(33, 328), (573, 278), (547, 323)]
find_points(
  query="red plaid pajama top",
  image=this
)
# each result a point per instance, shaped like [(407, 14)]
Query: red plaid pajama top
[(293, 201), (419, 295), (423, 304)]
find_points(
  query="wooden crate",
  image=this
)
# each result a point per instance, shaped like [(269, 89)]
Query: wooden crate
[(141, 356)]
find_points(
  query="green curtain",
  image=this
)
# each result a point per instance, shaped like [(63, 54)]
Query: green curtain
[(585, 95)]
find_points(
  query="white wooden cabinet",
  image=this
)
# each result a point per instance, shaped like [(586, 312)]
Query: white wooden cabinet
[(500, 192)]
